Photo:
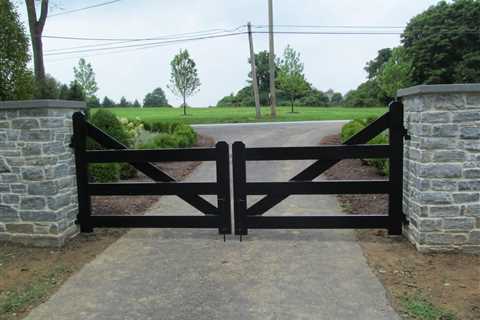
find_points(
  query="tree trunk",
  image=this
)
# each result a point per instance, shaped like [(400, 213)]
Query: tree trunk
[(292, 101), (36, 29), (184, 106)]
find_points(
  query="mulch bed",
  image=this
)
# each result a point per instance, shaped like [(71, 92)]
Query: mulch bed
[(354, 169), (449, 281)]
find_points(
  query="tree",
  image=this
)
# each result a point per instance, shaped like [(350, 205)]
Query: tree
[(108, 103), (443, 44), (136, 104), (395, 73), (76, 91), (291, 80), (15, 77), (263, 71), (374, 66), (184, 81), (64, 92), (314, 98), (156, 98), (36, 30), (93, 102), (124, 103), (368, 94), (85, 76), (336, 99)]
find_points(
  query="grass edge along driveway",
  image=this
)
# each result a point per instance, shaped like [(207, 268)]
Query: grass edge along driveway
[(244, 114)]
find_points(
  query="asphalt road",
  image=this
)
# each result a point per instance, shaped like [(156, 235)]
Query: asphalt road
[(194, 275)]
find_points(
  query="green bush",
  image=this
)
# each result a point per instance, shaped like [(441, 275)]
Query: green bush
[(127, 171), (104, 172), (170, 135), (108, 122), (355, 126)]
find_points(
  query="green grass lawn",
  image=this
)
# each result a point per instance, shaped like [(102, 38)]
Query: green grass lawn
[(245, 114)]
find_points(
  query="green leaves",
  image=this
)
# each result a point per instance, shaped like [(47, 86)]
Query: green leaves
[(85, 76), (184, 80), (443, 43)]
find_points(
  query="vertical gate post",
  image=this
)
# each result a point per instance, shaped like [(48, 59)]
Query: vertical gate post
[(81, 165), (239, 181), (223, 182), (396, 132)]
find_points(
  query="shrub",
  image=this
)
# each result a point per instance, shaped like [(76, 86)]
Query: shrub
[(355, 126), (104, 172), (127, 171), (108, 122)]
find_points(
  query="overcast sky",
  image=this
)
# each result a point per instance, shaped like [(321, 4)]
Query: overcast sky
[(331, 61)]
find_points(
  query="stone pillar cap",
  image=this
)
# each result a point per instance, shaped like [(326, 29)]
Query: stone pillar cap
[(37, 104), (439, 89)]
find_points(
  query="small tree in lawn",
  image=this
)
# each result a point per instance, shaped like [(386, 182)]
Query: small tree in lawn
[(184, 81), (85, 77), (291, 79)]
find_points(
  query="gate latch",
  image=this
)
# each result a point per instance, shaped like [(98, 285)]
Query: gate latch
[(405, 134)]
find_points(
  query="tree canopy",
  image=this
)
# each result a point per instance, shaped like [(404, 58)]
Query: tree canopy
[(184, 81), (85, 77), (156, 98), (15, 77), (443, 45), (291, 80)]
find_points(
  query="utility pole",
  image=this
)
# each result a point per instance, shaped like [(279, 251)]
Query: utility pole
[(254, 73), (271, 61)]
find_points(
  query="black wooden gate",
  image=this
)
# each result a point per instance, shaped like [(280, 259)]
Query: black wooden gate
[(214, 216), (325, 156)]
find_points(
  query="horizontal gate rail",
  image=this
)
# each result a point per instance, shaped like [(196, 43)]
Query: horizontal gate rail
[(156, 221), (323, 187), (330, 152), (152, 189), (302, 184), (317, 222), (142, 156), (213, 216)]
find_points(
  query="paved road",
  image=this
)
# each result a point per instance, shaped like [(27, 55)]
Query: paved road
[(194, 275)]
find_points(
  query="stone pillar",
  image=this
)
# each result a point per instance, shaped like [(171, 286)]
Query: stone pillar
[(442, 167), (38, 195)]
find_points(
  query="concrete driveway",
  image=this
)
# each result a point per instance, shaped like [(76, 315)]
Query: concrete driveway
[(194, 275)]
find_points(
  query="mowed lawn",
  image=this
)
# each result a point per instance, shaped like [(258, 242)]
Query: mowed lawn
[(244, 114)]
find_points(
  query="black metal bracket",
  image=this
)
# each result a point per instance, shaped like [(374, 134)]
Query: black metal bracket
[(405, 134), (72, 141)]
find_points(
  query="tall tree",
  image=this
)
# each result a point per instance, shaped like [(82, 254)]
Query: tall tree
[(107, 102), (444, 44), (374, 66), (263, 75), (15, 77), (85, 76), (156, 98), (184, 81), (36, 29), (396, 73), (291, 80)]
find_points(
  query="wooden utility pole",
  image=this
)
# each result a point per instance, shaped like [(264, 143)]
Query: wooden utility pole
[(254, 73), (271, 61)]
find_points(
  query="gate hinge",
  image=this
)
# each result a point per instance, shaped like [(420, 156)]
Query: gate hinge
[(405, 134), (72, 141)]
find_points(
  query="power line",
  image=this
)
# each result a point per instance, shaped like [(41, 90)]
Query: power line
[(84, 8), (115, 41), (329, 26), (148, 44)]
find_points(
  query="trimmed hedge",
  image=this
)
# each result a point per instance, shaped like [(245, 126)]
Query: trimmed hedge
[(169, 135), (355, 126)]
